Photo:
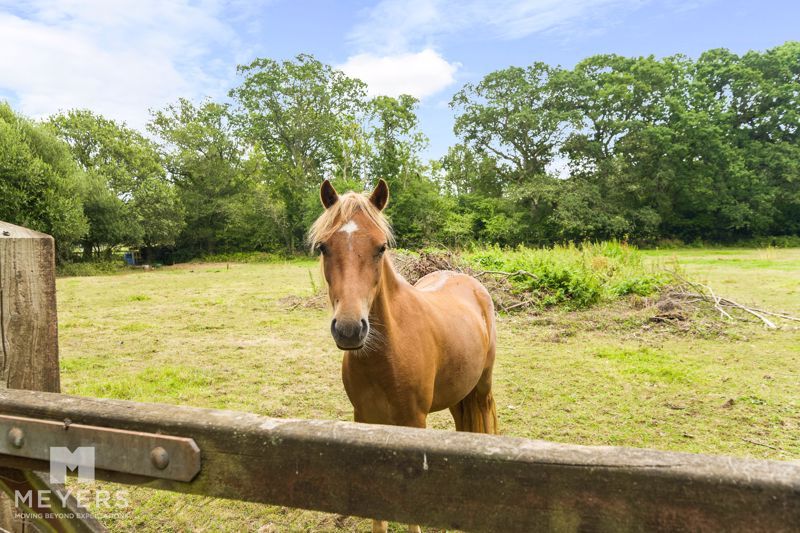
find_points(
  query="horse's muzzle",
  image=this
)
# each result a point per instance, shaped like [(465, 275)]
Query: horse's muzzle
[(349, 334)]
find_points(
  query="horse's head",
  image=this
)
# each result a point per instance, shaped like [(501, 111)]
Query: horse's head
[(352, 235)]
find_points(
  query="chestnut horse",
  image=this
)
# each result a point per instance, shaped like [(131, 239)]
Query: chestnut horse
[(409, 350)]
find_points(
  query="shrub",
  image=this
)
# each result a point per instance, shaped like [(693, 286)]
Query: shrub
[(574, 276), (90, 268), (242, 257)]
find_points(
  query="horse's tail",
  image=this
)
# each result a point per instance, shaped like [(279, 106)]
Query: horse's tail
[(478, 413)]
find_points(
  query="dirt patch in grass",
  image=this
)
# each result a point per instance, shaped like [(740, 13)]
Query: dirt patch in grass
[(315, 301)]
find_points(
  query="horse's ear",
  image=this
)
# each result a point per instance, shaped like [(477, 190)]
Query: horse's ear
[(380, 196), (328, 194)]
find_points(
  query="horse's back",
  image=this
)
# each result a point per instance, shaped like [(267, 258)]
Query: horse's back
[(453, 284), (456, 294)]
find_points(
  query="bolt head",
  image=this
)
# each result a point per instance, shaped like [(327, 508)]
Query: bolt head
[(159, 457), (16, 437)]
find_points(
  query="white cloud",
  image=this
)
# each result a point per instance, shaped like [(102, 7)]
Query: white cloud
[(390, 30), (394, 25), (118, 58), (418, 74)]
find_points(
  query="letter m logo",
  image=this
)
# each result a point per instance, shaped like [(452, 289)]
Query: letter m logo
[(62, 459)]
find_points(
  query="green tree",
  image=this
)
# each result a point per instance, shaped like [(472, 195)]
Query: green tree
[(40, 184), (619, 155), (140, 207), (302, 116), (396, 139), (482, 200), (467, 172), (517, 117), (209, 167), (753, 99), (416, 204)]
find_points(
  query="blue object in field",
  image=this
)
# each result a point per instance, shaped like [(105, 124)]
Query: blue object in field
[(129, 258)]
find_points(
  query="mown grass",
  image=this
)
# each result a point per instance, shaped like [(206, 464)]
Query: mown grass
[(216, 335)]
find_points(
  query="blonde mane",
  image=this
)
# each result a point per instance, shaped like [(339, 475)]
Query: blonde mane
[(341, 212)]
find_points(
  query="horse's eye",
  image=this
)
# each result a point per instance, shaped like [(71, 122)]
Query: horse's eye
[(322, 248), (382, 249)]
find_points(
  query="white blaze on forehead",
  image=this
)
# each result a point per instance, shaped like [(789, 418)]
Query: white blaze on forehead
[(349, 228)]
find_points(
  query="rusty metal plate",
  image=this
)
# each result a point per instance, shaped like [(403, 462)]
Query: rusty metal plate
[(131, 452)]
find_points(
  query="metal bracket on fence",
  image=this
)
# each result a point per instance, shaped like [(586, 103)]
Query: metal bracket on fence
[(130, 452)]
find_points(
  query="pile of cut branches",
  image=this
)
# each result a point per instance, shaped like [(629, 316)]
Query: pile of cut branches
[(415, 266), (698, 296)]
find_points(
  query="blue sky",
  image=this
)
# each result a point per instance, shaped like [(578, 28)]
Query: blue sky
[(122, 58)]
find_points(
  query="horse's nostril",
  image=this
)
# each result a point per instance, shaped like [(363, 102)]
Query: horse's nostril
[(349, 332)]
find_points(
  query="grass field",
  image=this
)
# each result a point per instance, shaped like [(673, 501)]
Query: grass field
[(219, 335)]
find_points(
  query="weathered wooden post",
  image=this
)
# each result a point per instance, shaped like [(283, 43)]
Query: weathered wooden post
[(28, 347), (28, 318)]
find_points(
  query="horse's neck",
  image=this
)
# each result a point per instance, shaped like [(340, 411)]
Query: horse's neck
[(392, 287)]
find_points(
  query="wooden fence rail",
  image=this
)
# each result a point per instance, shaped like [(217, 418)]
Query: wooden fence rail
[(441, 478)]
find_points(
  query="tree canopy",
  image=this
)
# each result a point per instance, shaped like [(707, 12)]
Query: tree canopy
[(41, 185), (638, 148)]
